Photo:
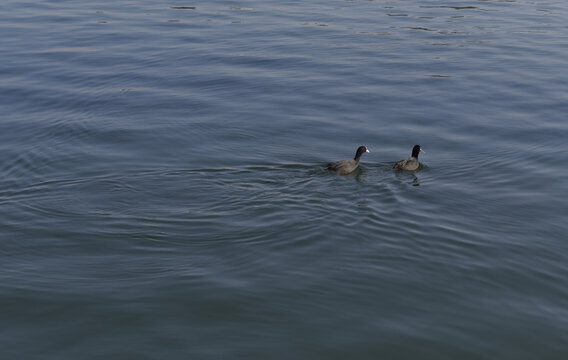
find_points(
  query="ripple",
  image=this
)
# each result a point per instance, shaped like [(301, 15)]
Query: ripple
[(449, 7)]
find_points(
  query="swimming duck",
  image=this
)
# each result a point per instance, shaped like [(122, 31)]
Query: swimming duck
[(410, 163), (344, 167)]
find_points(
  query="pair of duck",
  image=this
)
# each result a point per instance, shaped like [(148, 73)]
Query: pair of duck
[(344, 167)]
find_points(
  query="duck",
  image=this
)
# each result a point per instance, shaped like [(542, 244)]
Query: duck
[(411, 163), (344, 167)]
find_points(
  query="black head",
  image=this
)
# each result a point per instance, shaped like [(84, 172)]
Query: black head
[(415, 150), (360, 151)]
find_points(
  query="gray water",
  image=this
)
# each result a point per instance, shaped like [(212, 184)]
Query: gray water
[(163, 191)]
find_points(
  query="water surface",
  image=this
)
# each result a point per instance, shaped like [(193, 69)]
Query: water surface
[(164, 193)]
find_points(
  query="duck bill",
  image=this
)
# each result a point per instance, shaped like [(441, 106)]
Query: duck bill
[(422, 150)]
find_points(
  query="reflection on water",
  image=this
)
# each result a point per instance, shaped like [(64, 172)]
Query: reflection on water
[(409, 177), (355, 174)]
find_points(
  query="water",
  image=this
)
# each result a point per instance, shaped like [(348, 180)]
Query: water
[(163, 192)]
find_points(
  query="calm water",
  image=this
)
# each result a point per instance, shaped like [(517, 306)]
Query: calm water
[(163, 192)]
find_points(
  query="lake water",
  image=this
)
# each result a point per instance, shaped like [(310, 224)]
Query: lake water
[(163, 191)]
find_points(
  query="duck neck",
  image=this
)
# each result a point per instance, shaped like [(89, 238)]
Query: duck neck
[(358, 154)]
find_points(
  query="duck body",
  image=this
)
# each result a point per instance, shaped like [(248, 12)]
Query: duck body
[(344, 167), (411, 163)]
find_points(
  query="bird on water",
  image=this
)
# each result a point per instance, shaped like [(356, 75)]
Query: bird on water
[(344, 167), (410, 163)]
